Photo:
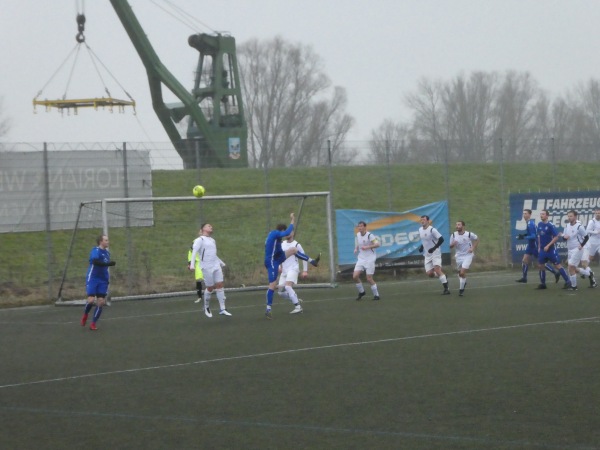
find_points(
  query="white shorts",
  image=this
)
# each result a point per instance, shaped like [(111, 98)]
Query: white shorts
[(290, 275), (574, 256), (464, 261), (367, 266), (590, 250), (212, 275), (432, 260)]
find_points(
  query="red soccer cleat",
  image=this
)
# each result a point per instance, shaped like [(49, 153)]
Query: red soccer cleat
[(93, 326), (84, 320)]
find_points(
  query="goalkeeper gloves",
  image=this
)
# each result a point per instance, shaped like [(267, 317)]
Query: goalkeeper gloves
[(521, 236), (421, 249)]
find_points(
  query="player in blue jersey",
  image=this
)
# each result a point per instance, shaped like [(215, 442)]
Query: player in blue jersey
[(275, 256), (547, 237), (532, 249), (97, 280)]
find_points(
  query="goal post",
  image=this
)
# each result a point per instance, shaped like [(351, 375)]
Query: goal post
[(150, 238)]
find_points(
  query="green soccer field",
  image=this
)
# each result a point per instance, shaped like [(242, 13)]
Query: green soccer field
[(505, 366)]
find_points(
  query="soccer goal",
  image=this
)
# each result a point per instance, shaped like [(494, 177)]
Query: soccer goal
[(150, 239)]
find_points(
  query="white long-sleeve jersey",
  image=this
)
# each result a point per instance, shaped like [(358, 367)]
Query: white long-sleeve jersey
[(291, 263), (206, 247)]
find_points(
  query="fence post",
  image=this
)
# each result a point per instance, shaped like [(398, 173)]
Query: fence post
[(49, 249), (130, 257), (504, 203)]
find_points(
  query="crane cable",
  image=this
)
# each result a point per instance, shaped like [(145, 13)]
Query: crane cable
[(184, 17), (80, 38)]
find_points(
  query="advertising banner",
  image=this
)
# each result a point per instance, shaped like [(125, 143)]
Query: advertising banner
[(398, 233), (558, 205)]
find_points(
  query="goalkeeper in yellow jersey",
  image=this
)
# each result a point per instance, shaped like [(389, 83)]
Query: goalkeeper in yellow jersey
[(198, 274)]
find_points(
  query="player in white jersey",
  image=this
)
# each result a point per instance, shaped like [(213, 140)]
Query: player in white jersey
[(431, 240), (212, 266), (576, 236), (365, 245), (290, 270), (592, 247), (465, 242)]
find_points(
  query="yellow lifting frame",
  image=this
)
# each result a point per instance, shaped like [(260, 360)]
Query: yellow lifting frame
[(74, 104)]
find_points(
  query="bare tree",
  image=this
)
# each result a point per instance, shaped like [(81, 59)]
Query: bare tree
[(285, 94), (389, 143), (515, 109), (468, 104)]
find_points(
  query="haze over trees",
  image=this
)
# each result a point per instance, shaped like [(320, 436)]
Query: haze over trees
[(486, 117)]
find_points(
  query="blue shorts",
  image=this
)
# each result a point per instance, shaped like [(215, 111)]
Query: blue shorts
[(272, 270), (96, 288), (531, 249), (551, 256)]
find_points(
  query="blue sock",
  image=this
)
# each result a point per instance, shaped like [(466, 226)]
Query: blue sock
[(88, 307), (543, 276), (302, 256), (549, 268), (563, 273), (270, 293), (525, 270), (97, 313)]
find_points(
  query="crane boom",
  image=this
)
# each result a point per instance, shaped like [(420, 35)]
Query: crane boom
[(217, 132)]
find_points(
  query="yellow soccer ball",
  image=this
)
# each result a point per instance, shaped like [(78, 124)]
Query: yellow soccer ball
[(198, 191)]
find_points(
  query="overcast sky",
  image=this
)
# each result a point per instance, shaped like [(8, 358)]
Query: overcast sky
[(376, 49)]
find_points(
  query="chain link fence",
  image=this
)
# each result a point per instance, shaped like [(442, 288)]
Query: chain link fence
[(42, 184)]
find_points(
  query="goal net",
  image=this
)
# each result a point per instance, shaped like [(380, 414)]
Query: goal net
[(150, 238)]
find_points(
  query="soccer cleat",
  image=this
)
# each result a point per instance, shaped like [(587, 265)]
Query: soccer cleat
[(84, 320), (521, 280), (268, 314), (567, 286), (315, 262), (446, 292), (297, 309), (207, 312), (360, 295), (594, 285), (376, 297), (198, 301), (541, 286), (93, 326), (556, 277), (224, 312), (572, 288), (461, 292)]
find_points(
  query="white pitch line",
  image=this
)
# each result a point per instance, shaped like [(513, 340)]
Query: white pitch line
[(297, 350)]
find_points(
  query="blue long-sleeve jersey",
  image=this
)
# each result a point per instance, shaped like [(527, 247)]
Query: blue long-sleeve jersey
[(546, 232), (273, 250), (531, 235), (96, 271)]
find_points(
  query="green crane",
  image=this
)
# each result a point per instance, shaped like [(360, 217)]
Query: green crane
[(217, 132)]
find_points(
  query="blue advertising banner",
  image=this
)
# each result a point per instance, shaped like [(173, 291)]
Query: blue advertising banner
[(557, 204), (398, 233)]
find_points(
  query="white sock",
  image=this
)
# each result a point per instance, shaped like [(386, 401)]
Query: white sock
[(462, 282), (207, 298), (291, 294), (221, 298), (374, 290), (360, 288), (283, 293), (443, 279), (585, 271), (573, 280)]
